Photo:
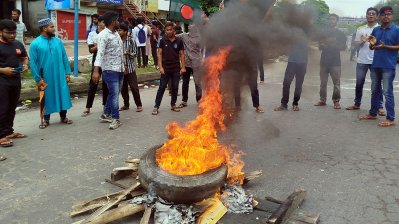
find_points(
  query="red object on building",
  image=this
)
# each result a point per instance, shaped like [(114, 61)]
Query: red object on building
[(65, 21)]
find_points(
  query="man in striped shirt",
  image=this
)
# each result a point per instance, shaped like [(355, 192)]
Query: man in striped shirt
[(130, 78)]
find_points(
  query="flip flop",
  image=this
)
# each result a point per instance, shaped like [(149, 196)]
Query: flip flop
[(66, 121), (2, 158), (386, 123), (367, 117), (295, 108), (353, 107), (85, 113), (381, 112), (44, 124), (16, 135), (124, 108), (259, 110), (183, 104), (320, 103), (139, 109), (6, 143), (280, 108)]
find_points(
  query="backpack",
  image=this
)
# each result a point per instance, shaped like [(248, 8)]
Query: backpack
[(141, 35)]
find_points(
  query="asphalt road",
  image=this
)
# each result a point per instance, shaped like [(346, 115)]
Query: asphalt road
[(350, 168)]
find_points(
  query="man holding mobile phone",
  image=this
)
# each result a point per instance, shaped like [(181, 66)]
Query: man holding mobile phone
[(13, 61)]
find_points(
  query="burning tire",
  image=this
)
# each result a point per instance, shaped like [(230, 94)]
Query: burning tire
[(179, 189)]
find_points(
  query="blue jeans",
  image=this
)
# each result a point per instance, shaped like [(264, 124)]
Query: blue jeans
[(361, 72), (175, 76), (114, 81), (386, 76)]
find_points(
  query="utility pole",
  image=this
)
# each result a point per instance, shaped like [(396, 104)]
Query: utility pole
[(76, 38)]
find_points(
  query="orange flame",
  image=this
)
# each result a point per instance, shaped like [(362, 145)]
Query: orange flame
[(194, 148)]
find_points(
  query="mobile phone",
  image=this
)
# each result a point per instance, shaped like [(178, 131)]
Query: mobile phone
[(18, 69)]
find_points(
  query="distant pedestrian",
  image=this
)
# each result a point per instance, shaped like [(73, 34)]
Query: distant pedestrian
[(93, 25), (130, 77), (13, 61), (50, 64), (193, 59), (330, 61), (171, 66), (384, 40), (21, 28), (148, 50), (92, 43), (155, 33), (140, 33), (365, 59), (110, 60)]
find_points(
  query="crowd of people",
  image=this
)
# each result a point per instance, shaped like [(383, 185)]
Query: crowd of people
[(120, 46)]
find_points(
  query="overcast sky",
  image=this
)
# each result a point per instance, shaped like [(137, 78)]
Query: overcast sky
[(353, 8)]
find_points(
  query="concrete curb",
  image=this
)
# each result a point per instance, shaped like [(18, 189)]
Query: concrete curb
[(82, 86)]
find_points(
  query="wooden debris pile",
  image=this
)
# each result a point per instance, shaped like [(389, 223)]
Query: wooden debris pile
[(118, 205)]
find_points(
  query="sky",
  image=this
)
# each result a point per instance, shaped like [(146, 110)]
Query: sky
[(352, 8)]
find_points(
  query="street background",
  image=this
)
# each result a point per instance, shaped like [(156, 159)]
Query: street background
[(350, 168)]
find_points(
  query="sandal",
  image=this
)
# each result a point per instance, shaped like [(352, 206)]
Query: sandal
[(66, 121), (139, 109), (386, 123), (5, 142), (175, 109), (320, 104), (44, 124), (16, 135), (367, 117), (353, 107), (2, 158), (295, 108), (280, 108), (337, 105), (85, 113), (124, 108), (259, 110), (183, 104), (381, 112), (155, 111)]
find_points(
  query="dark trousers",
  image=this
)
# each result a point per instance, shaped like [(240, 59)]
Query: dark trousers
[(92, 92), (261, 70), (186, 83), (131, 80), (154, 54), (63, 114), (253, 86), (9, 96), (141, 55), (174, 76), (297, 71)]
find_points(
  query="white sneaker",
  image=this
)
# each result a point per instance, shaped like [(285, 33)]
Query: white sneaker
[(106, 118), (115, 124)]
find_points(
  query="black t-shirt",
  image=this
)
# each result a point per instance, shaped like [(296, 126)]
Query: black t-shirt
[(10, 56), (330, 55), (170, 54)]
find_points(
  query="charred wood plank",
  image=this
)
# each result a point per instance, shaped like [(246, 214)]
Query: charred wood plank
[(283, 213)]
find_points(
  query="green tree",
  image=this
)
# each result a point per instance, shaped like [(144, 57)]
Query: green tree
[(321, 11), (211, 6), (395, 6)]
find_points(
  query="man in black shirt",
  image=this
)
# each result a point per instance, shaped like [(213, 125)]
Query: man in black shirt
[(13, 61), (330, 61), (170, 57)]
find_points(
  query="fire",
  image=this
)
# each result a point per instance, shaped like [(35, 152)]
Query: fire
[(194, 148)]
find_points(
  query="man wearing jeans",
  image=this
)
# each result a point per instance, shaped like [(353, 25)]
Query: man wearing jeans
[(109, 59), (330, 61), (170, 56), (385, 46), (365, 58)]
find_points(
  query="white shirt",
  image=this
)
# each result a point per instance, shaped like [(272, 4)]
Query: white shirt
[(365, 54), (135, 35), (21, 28), (109, 51), (92, 38)]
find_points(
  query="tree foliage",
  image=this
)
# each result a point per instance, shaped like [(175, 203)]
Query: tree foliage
[(321, 11), (211, 6), (395, 6)]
